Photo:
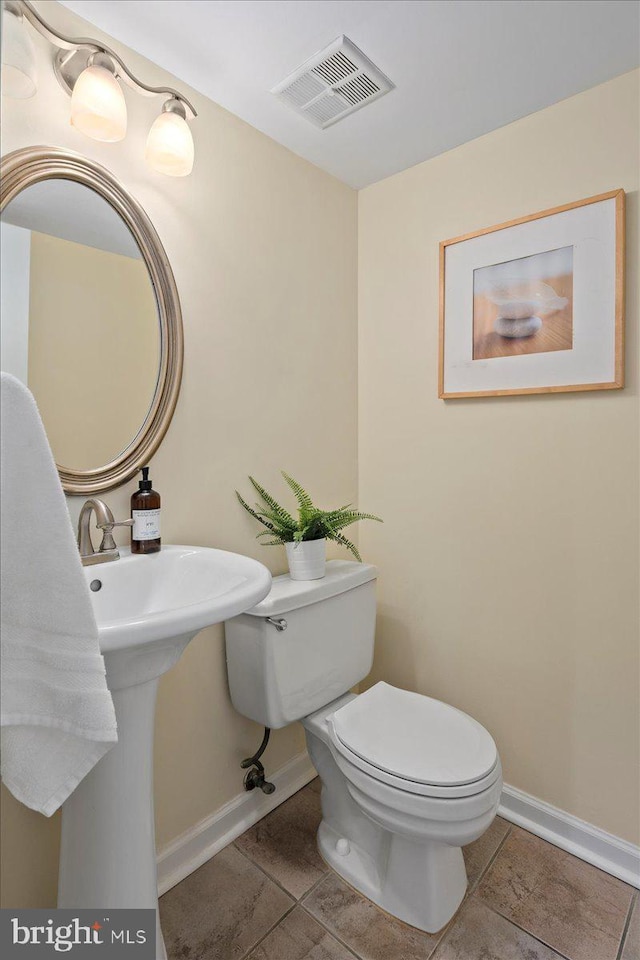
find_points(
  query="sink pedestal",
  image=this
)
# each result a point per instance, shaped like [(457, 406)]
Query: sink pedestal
[(147, 609), (108, 851)]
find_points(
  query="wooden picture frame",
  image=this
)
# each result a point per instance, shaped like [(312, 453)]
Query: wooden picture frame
[(505, 330)]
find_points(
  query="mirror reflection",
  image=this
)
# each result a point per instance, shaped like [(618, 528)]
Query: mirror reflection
[(79, 318)]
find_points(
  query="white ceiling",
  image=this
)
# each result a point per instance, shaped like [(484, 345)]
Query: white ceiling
[(460, 67)]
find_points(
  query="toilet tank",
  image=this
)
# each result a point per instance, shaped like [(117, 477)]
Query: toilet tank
[(278, 676)]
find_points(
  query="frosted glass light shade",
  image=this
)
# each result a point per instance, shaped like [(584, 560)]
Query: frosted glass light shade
[(98, 107), (170, 147), (18, 78)]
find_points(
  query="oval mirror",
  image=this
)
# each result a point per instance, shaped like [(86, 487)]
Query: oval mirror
[(90, 315)]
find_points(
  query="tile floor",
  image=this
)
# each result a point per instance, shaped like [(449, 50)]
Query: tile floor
[(269, 896)]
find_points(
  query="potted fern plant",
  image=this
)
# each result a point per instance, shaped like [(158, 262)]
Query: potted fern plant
[(305, 535)]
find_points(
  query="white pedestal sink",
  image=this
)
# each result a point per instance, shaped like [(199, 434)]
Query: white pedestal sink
[(148, 608)]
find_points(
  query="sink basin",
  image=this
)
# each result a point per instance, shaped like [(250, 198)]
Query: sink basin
[(180, 590), (147, 609)]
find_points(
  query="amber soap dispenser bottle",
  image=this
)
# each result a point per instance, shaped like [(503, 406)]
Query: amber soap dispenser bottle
[(145, 510)]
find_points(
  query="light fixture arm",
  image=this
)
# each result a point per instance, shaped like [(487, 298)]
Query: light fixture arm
[(174, 105), (73, 54)]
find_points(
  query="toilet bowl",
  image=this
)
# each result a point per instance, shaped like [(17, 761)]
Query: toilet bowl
[(394, 837), (406, 780)]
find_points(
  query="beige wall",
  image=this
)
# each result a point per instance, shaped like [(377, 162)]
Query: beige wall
[(263, 247), (508, 559), (509, 554), (92, 316)]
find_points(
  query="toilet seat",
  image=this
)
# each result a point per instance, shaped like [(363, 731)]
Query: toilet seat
[(415, 743)]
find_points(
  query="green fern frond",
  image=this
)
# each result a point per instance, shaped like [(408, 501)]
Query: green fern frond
[(277, 520), (365, 516), (301, 494), (341, 539), (273, 503), (331, 514), (270, 533), (348, 518), (255, 515)]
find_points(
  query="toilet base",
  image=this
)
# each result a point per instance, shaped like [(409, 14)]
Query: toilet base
[(423, 884), (402, 851)]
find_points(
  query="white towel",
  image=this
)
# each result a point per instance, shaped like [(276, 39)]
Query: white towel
[(57, 713)]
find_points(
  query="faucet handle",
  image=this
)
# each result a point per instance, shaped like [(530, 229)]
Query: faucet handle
[(108, 543)]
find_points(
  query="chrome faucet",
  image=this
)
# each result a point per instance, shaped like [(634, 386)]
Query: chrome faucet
[(105, 522)]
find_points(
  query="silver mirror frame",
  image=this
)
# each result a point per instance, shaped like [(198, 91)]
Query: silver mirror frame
[(23, 168)]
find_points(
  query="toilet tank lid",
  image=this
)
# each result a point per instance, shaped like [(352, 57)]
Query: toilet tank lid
[(287, 594)]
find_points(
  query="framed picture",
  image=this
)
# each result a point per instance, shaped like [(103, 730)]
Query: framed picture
[(535, 305)]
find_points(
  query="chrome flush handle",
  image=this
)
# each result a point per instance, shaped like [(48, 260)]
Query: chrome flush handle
[(280, 625)]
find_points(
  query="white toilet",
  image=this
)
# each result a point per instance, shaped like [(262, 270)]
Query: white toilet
[(406, 780)]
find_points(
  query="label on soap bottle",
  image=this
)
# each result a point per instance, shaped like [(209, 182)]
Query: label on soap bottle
[(146, 524)]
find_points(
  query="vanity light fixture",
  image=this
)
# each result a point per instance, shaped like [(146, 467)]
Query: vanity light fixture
[(93, 75), (18, 58), (170, 147), (98, 107)]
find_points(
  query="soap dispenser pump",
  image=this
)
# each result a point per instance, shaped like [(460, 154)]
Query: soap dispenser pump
[(145, 510)]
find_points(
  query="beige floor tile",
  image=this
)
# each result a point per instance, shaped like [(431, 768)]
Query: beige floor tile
[(480, 933), (632, 942), (284, 843), (300, 937), (478, 853), (368, 931), (221, 911), (575, 908)]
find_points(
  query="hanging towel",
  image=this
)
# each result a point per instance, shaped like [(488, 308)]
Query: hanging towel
[(57, 717)]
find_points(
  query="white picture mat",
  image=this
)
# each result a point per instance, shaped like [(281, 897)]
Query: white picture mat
[(591, 230)]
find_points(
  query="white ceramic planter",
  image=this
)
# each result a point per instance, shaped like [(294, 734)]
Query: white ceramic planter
[(307, 559)]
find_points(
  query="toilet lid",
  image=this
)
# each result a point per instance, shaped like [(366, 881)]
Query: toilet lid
[(414, 737)]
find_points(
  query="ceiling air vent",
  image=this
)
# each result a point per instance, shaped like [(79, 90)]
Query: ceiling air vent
[(334, 83)]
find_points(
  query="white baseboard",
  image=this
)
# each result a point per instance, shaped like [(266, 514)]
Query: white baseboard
[(198, 844), (604, 850)]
